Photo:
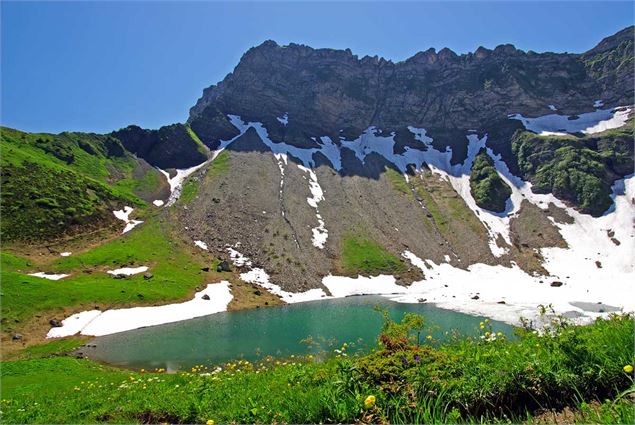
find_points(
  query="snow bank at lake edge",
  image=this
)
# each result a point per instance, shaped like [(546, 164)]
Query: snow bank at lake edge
[(98, 323)]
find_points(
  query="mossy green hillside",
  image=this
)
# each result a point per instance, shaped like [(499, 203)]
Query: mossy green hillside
[(488, 189), (578, 169), (467, 380), (176, 272), (361, 254), (54, 185)]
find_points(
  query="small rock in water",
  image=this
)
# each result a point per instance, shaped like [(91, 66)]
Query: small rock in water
[(55, 323), (205, 297)]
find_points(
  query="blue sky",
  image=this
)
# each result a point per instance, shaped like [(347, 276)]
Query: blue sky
[(89, 66)]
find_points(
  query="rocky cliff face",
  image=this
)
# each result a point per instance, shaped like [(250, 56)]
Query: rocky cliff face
[(326, 92)]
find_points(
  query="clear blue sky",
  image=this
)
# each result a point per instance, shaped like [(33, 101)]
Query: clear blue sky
[(89, 66)]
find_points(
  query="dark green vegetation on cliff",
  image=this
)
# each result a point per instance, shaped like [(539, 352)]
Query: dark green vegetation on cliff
[(171, 146), (491, 380), (488, 189), (60, 185), (578, 169)]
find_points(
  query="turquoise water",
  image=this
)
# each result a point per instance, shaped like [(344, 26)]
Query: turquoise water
[(277, 331)]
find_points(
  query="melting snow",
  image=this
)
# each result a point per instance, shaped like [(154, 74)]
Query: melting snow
[(261, 278), (49, 276), (97, 323), (553, 108), (129, 271), (176, 182), (123, 215), (201, 245), (284, 120), (320, 233), (598, 104), (588, 123), (342, 286), (158, 203)]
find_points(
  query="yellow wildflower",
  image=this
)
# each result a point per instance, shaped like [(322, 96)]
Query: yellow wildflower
[(429, 337), (486, 320), (628, 368), (487, 334), (369, 402), (499, 334), (210, 422)]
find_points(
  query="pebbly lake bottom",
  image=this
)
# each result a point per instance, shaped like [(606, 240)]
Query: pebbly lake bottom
[(315, 327)]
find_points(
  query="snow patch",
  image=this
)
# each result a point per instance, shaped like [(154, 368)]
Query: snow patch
[(598, 104), (284, 120), (49, 276), (261, 278), (97, 323), (587, 123), (320, 233), (73, 324), (65, 254), (128, 271), (201, 245), (342, 286), (176, 182), (157, 203), (553, 108), (124, 215)]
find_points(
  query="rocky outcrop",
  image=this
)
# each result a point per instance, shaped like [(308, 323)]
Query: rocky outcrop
[(326, 92), (172, 146), (487, 187)]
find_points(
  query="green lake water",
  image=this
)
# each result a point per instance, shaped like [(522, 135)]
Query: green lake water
[(276, 331)]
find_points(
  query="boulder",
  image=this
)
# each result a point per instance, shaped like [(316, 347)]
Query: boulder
[(205, 297), (556, 284), (55, 323), (16, 337), (148, 276), (224, 266)]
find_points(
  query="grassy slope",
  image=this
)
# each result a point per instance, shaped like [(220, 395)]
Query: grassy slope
[(468, 380), (176, 273), (362, 255), (53, 184)]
